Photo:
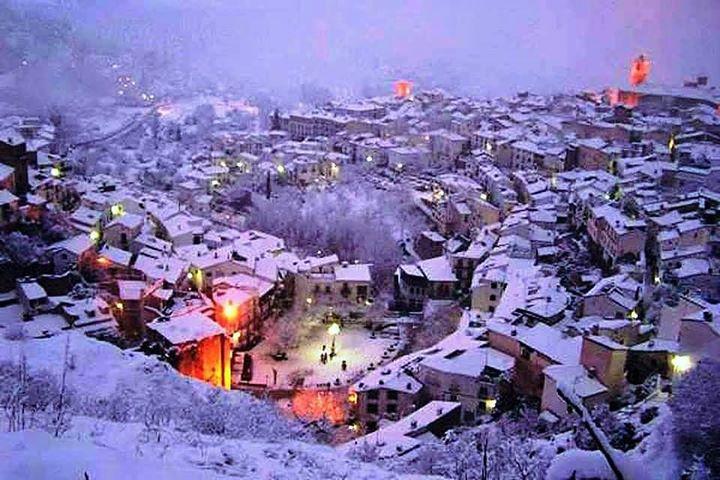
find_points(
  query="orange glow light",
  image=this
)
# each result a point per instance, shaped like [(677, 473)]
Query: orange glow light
[(639, 71), (103, 261), (230, 311), (403, 88)]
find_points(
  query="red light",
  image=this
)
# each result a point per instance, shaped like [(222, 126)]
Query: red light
[(639, 71), (403, 88)]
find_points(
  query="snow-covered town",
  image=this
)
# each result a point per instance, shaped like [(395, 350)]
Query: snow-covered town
[(408, 283)]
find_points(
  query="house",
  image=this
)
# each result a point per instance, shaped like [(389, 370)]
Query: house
[(353, 281), (615, 235), (221, 262), (128, 307), (405, 436), (571, 378), (469, 376), (386, 393), (75, 252), (122, 230), (169, 269), (194, 345), (427, 279), (613, 297), (237, 310), (9, 205), (32, 297), (112, 263), (326, 279), (429, 244), (446, 147), (606, 360), (533, 349)]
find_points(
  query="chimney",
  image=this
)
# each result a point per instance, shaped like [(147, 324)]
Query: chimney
[(702, 80), (439, 411), (707, 316), (513, 332), (413, 423)]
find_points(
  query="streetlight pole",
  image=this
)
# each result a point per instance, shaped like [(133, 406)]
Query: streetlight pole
[(333, 331)]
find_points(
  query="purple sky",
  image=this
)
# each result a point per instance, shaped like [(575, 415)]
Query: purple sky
[(482, 47)]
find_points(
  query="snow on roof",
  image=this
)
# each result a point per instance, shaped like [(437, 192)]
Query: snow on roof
[(246, 282), (353, 272), (188, 327), (128, 220), (434, 236), (32, 290), (657, 345), (6, 170), (388, 378), (576, 378), (470, 362), (131, 289), (402, 436), (437, 269), (310, 263), (690, 267), (115, 255), (552, 343), (168, 268), (606, 342), (77, 244), (86, 216), (7, 197)]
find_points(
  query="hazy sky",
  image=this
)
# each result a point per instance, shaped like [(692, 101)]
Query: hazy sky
[(487, 47)]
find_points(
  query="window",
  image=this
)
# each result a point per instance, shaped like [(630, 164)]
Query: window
[(391, 408), (373, 395), (525, 353), (392, 395), (372, 408), (493, 285), (493, 298), (491, 309), (327, 288)]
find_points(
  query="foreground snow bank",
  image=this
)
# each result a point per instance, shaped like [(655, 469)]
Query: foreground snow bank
[(109, 451)]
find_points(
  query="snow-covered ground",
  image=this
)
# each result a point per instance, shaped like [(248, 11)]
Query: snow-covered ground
[(107, 450), (353, 345)]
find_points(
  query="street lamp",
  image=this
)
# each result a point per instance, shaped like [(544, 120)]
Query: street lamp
[(333, 331)]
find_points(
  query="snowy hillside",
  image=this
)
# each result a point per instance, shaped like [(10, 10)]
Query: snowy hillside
[(168, 426)]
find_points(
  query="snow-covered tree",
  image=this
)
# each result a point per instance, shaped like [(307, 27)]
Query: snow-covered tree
[(696, 416)]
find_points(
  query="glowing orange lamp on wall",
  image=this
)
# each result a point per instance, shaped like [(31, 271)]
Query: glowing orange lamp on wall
[(230, 310)]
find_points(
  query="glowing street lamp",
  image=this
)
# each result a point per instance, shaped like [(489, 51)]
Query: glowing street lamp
[(117, 210), (333, 331), (94, 236), (681, 363), (55, 172)]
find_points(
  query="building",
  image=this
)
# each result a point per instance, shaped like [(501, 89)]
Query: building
[(195, 346), (386, 393), (469, 376)]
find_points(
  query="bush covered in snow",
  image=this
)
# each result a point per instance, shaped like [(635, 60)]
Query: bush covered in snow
[(486, 453)]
